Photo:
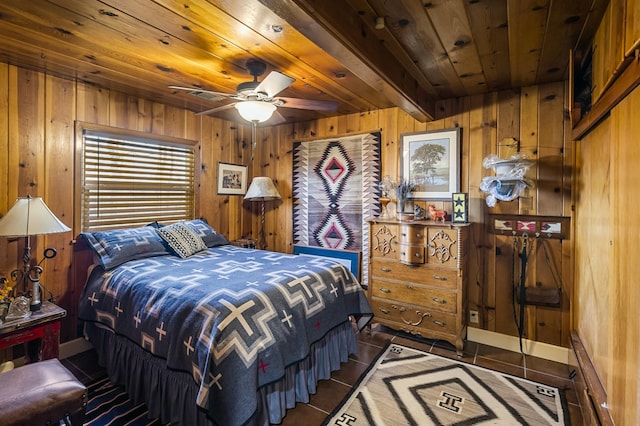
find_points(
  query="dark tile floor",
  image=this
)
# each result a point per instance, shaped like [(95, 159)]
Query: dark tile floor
[(331, 392)]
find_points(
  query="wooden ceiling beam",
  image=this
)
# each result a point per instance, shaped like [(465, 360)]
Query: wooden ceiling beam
[(345, 38), (369, 13), (419, 43)]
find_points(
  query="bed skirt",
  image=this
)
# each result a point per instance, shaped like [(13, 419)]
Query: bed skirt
[(171, 395)]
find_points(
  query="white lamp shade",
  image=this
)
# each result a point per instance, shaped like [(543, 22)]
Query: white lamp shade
[(262, 188), (255, 110), (30, 216)]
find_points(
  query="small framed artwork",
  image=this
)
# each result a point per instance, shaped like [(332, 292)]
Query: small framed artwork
[(232, 179), (460, 208), (431, 162)]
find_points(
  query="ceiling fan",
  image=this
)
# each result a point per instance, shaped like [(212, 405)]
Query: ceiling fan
[(257, 101)]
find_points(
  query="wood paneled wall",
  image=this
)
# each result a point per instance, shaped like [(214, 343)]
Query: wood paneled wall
[(606, 219), (607, 229), (623, 386), (38, 112)]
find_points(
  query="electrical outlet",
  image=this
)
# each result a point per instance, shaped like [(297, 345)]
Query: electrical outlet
[(473, 317)]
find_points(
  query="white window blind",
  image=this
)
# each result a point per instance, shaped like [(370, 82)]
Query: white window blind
[(131, 181)]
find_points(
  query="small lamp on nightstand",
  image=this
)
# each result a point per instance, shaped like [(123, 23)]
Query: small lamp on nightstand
[(30, 216), (262, 189)]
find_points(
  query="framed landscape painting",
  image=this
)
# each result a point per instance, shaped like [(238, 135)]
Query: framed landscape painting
[(431, 162)]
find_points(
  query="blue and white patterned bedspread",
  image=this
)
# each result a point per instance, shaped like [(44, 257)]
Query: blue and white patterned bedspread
[(231, 317)]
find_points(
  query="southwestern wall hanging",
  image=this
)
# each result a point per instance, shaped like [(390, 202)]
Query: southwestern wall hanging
[(335, 191)]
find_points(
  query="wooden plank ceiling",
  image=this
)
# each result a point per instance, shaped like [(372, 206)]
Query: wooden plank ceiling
[(422, 52)]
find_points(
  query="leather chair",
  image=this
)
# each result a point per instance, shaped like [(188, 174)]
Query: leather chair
[(42, 393)]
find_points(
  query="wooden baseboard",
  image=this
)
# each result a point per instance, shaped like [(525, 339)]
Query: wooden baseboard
[(73, 347), (512, 343), (592, 395)]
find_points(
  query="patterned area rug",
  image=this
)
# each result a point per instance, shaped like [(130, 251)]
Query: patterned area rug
[(410, 387), (109, 405)]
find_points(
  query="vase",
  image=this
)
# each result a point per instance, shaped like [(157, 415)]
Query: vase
[(400, 204), (404, 209)]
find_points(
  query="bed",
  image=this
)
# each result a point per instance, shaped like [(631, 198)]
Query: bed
[(205, 332)]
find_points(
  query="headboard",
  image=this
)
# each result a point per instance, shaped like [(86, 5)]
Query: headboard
[(83, 260)]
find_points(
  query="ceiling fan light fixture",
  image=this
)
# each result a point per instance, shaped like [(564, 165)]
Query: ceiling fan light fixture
[(258, 111)]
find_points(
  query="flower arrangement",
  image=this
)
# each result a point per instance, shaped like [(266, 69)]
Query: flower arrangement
[(6, 292), (404, 188)]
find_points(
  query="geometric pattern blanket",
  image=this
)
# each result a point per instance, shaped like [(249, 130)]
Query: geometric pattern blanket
[(232, 318), (410, 387), (335, 191)]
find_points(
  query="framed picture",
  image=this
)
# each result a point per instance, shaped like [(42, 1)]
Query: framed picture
[(431, 161), (348, 258), (232, 179)]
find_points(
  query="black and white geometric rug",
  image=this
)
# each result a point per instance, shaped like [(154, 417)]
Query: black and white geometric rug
[(410, 387)]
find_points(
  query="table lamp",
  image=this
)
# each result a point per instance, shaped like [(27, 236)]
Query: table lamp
[(30, 216), (262, 189)]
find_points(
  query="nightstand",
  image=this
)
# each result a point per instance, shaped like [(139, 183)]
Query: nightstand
[(244, 242), (40, 333)]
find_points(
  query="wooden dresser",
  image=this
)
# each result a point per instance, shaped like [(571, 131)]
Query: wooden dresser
[(418, 277)]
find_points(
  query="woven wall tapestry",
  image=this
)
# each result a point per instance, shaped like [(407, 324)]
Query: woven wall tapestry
[(335, 191)]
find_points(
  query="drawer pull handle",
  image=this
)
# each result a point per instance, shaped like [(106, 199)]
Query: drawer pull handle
[(443, 301), (438, 277), (440, 323), (384, 311), (419, 235), (385, 290), (419, 315), (383, 269), (418, 255), (409, 286)]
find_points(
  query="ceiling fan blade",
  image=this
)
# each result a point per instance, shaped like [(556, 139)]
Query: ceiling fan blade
[(196, 90), (276, 118), (309, 104), (220, 108), (274, 83)]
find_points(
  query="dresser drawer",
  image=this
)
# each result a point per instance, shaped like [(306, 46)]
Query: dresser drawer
[(430, 298), (411, 254), (439, 277), (413, 316), (412, 235)]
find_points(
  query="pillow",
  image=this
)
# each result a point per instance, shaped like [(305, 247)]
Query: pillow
[(182, 239), (209, 235), (118, 246)]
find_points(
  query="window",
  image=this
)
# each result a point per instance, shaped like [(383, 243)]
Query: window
[(129, 178)]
